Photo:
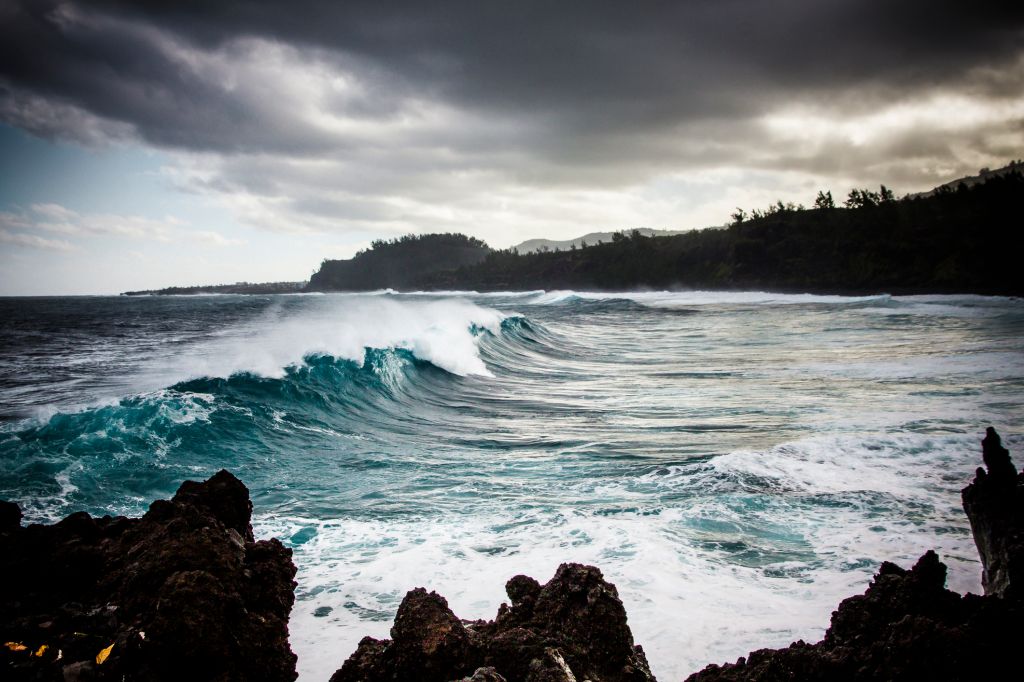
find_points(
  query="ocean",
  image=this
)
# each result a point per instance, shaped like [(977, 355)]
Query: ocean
[(735, 463)]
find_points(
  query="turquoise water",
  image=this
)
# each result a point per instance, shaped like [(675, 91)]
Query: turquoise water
[(735, 462)]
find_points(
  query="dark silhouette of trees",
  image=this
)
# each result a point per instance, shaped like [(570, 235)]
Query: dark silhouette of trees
[(236, 288), (963, 240), (398, 263), (863, 198), (858, 198)]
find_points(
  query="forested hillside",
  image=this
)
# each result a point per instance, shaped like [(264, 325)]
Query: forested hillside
[(399, 263), (955, 240)]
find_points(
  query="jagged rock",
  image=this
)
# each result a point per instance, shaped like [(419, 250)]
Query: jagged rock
[(182, 593), (995, 506), (573, 628), (522, 590), (551, 667), (484, 675), (997, 458), (907, 626), (186, 593), (10, 517)]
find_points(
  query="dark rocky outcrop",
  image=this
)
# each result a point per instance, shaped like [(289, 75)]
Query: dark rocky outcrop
[(573, 628), (183, 593), (907, 626), (995, 505)]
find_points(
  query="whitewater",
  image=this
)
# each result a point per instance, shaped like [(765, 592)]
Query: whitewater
[(736, 463)]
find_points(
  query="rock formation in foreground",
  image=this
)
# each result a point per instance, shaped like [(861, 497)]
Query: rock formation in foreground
[(571, 629), (183, 593), (907, 626), (995, 505)]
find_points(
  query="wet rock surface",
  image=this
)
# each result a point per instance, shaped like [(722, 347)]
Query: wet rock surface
[(995, 506), (907, 626), (571, 629), (183, 593)]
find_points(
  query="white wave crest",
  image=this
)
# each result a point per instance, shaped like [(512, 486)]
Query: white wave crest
[(438, 331), (712, 558)]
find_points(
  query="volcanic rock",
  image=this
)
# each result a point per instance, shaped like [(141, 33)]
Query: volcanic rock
[(183, 593), (995, 506), (572, 628), (907, 626)]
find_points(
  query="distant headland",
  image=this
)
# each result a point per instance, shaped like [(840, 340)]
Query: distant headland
[(236, 288), (961, 237)]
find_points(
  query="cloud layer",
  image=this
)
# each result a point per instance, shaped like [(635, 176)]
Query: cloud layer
[(67, 230), (516, 119)]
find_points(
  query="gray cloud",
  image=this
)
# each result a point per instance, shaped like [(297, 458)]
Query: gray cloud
[(313, 114), (33, 241), (16, 230), (633, 55), (572, 71), (37, 227)]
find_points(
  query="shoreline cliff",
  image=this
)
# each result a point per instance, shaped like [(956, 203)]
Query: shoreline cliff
[(186, 592)]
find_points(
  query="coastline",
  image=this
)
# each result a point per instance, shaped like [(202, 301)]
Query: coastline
[(548, 633)]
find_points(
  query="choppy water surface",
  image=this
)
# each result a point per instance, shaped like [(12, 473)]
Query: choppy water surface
[(736, 463)]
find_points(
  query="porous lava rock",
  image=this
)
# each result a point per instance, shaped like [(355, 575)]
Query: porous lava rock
[(995, 506), (571, 629), (907, 625), (182, 593)]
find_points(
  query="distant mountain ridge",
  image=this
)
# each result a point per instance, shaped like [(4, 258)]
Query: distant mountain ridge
[(589, 239), (983, 175)]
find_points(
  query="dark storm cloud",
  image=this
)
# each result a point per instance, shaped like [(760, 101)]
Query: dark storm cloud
[(131, 72), (535, 53), (505, 118), (575, 73)]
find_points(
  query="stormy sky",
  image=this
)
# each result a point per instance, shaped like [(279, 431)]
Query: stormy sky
[(145, 144)]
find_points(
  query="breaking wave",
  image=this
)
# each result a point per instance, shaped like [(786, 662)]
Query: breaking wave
[(734, 462)]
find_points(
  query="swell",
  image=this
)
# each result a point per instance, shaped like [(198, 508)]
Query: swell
[(524, 348), (325, 412)]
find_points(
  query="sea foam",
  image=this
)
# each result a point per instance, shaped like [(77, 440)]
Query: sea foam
[(736, 463), (344, 326), (712, 559)]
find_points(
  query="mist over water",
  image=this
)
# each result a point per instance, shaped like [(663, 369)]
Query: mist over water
[(736, 463)]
